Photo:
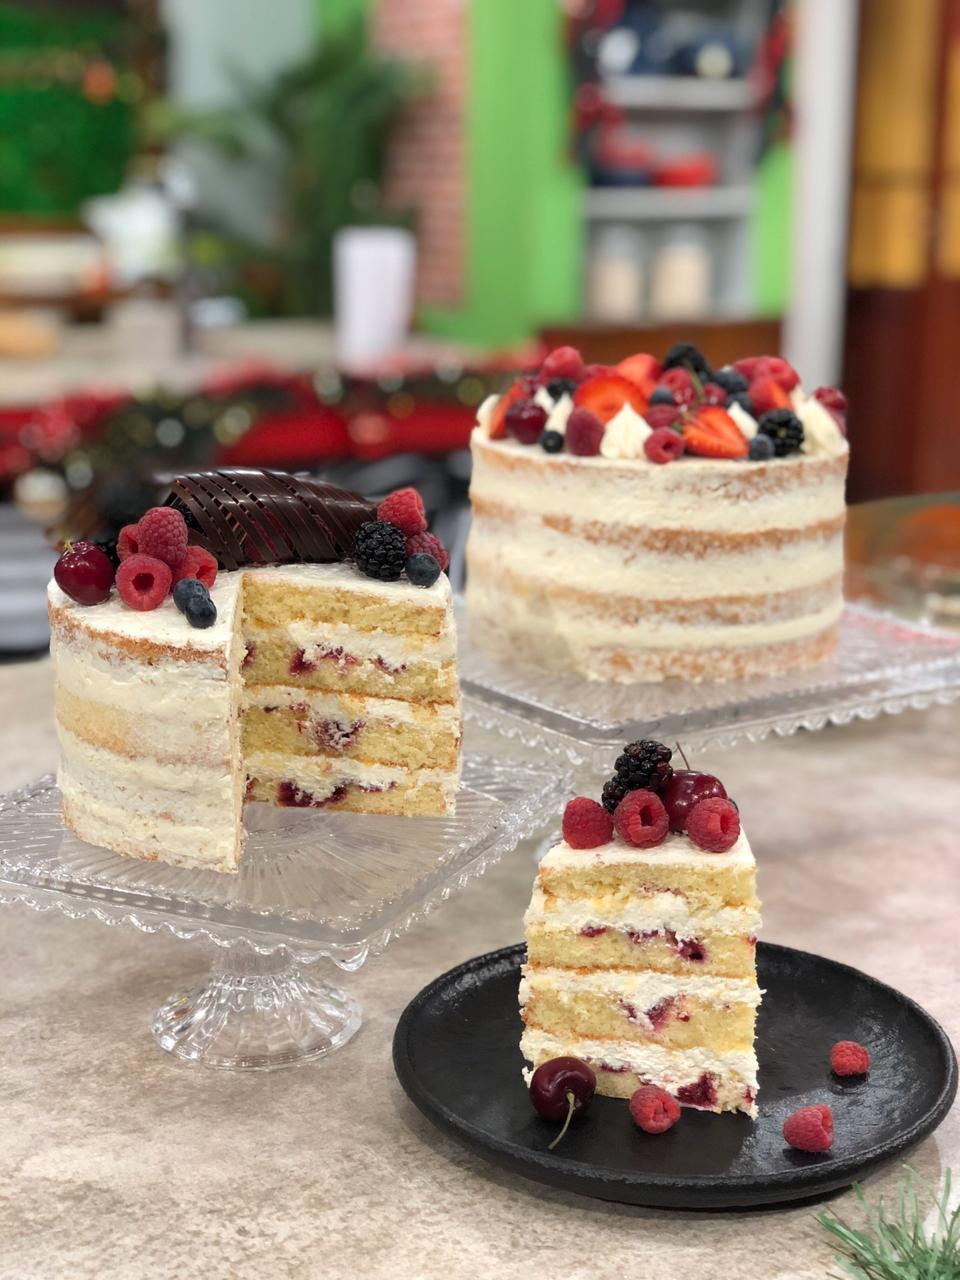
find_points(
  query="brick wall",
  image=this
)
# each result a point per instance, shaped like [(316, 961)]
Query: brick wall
[(427, 156)]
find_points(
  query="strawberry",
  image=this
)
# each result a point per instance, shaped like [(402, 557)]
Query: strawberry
[(780, 370), (710, 432), (498, 421), (767, 394), (563, 362), (642, 370), (606, 394)]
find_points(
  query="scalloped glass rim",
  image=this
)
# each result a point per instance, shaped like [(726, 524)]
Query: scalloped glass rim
[(882, 663), (314, 884)]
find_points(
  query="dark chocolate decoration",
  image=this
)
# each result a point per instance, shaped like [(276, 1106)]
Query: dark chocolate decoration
[(246, 517)]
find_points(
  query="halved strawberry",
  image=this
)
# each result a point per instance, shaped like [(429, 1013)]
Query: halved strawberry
[(642, 370), (766, 394), (607, 393), (710, 432), (498, 420)]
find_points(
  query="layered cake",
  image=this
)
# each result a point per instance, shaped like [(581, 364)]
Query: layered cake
[(641, 939), (657, 519), (191, 678)]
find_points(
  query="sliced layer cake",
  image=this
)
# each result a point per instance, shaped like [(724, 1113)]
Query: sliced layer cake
[(641, 940), (321, 685)]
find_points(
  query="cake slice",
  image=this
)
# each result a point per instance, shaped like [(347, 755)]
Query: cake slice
[(641, 942)]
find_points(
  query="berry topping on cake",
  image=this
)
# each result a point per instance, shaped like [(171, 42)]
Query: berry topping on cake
[(642, 370), (560, 1089), (660, 395), (664, 445), (780, 370), (108, 546), (558, 387), (641, 819), (732, 380), (710, 432), (761, 448), (162, 534), (198, 563), (767, 394), (584, 433), (143, 582), (664, 415), (810, 1128), (84, 573), (185, 589), (562, 362), (128, 541), (653, 1110), (525, 421), (748, 366), (431, 544), (586, 824), (680, 385), (423, 569), (522, 389), (605, 395), (379, 551), (199, 609), (686, 788), (642, 765), (832, 398), (847, 1058), (551, 442), (742, 400), (714, 824), (713, 393), (785, 431), (686, 356), (404, 508)]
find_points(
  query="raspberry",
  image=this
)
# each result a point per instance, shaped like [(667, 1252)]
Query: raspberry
[(831, 398), (714, 393), (128, 543), (714, 824), (663, 415), (664, 445), (379, 550), (847, 1058), (563, 362), (586, 824), (654, 1110), (404, 508), (641, 819), (679, 383), (431, 544), (780, 370), (810, 1128), (162, 534), (200, 564), (143, 582), (584, 433)]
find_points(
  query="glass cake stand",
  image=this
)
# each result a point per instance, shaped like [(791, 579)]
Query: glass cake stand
[(882, 664), (312, 886)]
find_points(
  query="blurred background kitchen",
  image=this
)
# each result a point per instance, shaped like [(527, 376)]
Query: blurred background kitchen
[(317, 233)]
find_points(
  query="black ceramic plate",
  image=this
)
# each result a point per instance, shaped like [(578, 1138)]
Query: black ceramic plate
[(455, 1053)]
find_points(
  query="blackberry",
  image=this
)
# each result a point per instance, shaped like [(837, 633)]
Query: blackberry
[(551, 442), (685, 355), (108, 545), (785, 430), (732, 380), (379, 551), (558, 387), (741, 398), (761, 448), (661, 396), (643, 765)]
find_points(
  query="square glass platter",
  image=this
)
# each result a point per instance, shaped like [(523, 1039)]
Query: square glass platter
[(882, 664)]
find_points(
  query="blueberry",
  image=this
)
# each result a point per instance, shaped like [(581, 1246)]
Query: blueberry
[(422, 569), (732, 380), (551, 442), (661, 396), (742, 399), (187, 589), (558, 387), (761, 448), (200, 610)]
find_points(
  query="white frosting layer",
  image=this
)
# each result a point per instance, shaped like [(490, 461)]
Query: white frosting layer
[(353, 708), (319, 638), (320, 775), (821, 434), (675, 851), (655, 911), (643, 988), (346, 577)]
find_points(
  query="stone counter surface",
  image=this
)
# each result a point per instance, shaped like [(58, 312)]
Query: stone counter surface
[(118, 1163)]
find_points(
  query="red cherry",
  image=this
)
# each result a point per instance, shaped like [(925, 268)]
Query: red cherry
[(685, 789), (560, 1089), (84, 573), (525, 421)]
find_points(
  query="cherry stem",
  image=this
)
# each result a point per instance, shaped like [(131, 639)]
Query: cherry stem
[(571, 1107), (682, 756)]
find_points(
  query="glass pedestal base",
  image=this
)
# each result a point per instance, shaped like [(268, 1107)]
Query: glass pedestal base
[(256, 1013)]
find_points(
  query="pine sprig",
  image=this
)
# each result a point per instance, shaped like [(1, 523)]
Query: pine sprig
[(894, 1243)]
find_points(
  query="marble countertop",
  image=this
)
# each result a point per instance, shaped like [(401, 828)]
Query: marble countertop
[(117, 1163)]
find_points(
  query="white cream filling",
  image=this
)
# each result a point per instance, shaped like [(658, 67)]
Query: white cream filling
[(355, 707), (166, 690), (625, 435), (321, 774), (745, 421), (643, 988), (669, 1068), (656, 911), (559, 415), (676, 851), (318, 639)]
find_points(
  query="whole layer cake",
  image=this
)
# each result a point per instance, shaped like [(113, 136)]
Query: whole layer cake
[(649, 522), (641, 942), (314, 686)]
